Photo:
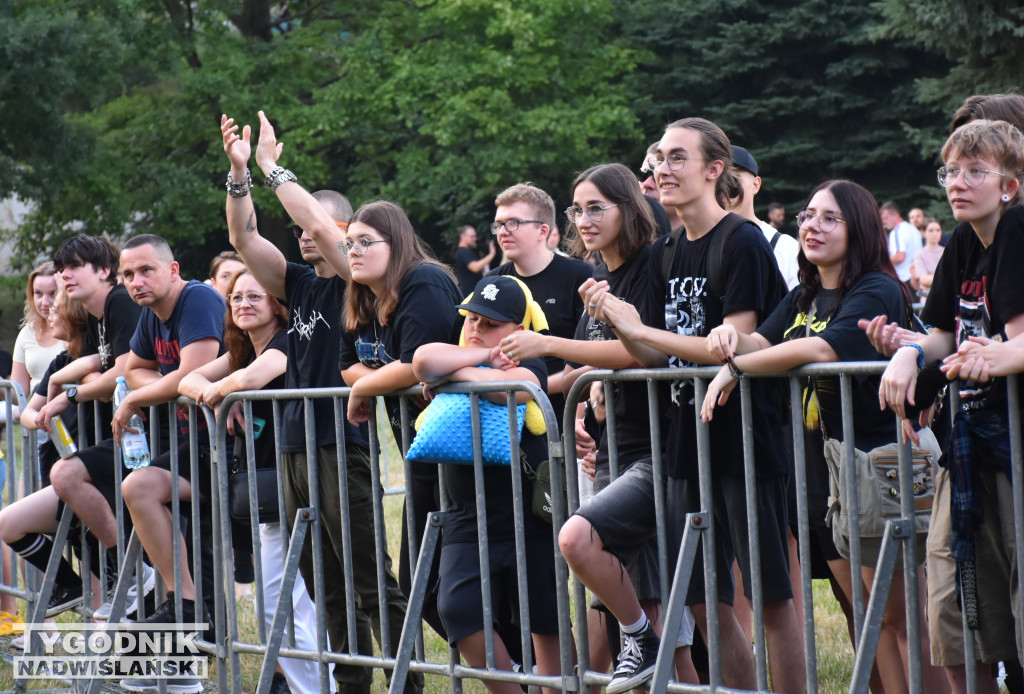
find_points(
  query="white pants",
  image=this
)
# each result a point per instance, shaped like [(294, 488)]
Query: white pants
[(302, 675)]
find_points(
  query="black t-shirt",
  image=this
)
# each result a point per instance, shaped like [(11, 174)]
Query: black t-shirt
[(425, 314), (110, 336), (632, 282), (835, 322), (555, 288), (263, 445), (467, 278), (976, 290), (751, 281), (314, 335), (460, 519), (47, 451)]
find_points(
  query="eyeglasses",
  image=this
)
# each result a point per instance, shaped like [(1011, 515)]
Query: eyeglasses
[(675, 161), (254, 298), (826, 222), (360, 246), (512, 225), (298, 231), (595, 212), (972, 177)]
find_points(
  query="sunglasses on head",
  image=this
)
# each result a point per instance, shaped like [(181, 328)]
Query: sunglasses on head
[(298, 231)]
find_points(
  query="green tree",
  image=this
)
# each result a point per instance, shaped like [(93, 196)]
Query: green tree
[(803, 85)]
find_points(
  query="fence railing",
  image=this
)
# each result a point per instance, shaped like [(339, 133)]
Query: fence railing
[(275, 624)]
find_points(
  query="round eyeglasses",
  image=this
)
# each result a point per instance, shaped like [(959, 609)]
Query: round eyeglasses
[(826, 222), (973, 177), (675, 161), (253, 298), (595, 212)]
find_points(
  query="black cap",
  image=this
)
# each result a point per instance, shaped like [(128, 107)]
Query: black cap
[(743, 159), (499, 298)]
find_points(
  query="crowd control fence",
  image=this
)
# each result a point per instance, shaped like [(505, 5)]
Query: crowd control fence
[(405, 656)]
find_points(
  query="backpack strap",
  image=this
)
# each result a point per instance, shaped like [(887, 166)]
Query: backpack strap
[(716, 283), (775, 239), (669, 251)]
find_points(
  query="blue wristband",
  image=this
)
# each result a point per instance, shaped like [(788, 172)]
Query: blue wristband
[(920, 355)]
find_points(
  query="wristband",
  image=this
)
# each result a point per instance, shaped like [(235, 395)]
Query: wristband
[(920, 354), (278, 176), (733, 369), (239, 189)]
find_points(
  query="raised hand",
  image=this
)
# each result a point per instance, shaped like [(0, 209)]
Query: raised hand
[(238, 148), (268, 150)]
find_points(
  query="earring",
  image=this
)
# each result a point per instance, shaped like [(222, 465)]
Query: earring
[(1006, 198)]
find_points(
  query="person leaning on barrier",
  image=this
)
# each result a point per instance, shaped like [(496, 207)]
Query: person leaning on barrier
[(498, 307), (314, 298), (257, 343), (180, 329), (847, 275), (719, 270), (25, 524), (976, 305), (609, 217)]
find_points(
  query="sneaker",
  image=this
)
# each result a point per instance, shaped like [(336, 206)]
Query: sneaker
[(132, 601), (151, 684), (279, 685), (165, 613), (18, 642), (7, 622), (64, 598), (636, 661)]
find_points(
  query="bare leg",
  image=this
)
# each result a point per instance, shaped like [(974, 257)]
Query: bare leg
[(72, 483), (600, 654), (785, 647), (742, 609), (545, 647), (473, 650), (891, 656), (599, 570), (842, 590), (685, 671), (737, 658), (35, 513), (146, 493)]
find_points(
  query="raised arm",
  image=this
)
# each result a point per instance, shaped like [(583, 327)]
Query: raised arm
[(266, 263), (302, 207)]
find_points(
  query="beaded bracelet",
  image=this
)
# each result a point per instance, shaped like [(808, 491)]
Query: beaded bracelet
[(239, 189)]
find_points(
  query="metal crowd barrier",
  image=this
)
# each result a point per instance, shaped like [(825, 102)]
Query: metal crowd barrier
[(408, 655)]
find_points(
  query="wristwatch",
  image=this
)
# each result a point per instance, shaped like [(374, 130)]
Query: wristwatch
[(72, 394)]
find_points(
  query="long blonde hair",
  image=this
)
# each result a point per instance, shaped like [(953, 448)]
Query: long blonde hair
[(32, 317)]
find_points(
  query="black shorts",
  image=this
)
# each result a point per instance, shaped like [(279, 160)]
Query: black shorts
[(460, 601), (624, 517), (99, 465), (823, 549), (163, 462), (731, 537)]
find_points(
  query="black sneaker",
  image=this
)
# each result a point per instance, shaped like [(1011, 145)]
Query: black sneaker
[(636, 661), (279, 685), (165, 613), (64, 598)]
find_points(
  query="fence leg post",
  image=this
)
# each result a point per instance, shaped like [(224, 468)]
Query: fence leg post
[(411, 626), (896, 531), (695, 525), (303, 519)]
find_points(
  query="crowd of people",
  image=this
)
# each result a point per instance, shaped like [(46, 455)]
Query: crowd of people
[(665, 267)]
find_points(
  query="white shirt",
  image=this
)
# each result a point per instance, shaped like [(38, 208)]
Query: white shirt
[(905, 237), (786, 250)]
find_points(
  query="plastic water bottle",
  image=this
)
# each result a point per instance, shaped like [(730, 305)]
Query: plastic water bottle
[(134, 447)]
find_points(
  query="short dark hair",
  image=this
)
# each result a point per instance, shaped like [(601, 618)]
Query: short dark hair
[(94, 250), (772, 206), (159, 244), (1008, 107)]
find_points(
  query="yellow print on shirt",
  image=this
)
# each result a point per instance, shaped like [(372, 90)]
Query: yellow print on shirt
[(800, 322)]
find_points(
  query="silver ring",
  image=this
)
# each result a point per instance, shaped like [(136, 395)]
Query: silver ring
[(591, 306)]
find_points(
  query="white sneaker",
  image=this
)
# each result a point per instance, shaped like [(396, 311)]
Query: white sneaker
[(102, 613)]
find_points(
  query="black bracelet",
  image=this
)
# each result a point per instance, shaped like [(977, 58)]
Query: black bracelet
[(733, 369)]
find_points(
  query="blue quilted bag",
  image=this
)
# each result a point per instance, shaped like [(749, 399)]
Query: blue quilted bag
[(445, 431)]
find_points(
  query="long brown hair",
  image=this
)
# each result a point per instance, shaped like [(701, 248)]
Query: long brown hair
[(715, 146), (618, 184), (867, 245), (74, 314), (408, 252), (239, 346)]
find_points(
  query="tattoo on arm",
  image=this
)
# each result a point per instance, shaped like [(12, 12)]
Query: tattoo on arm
[(250, 224)]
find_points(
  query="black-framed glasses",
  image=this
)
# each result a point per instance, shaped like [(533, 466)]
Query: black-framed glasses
[(254, 298), (973, 176), (675, 161), (512, 225), (826, 221), (360, 245), (595, 212)]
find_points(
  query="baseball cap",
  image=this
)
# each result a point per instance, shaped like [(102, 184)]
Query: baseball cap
[(743, 159), (499, 298)]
